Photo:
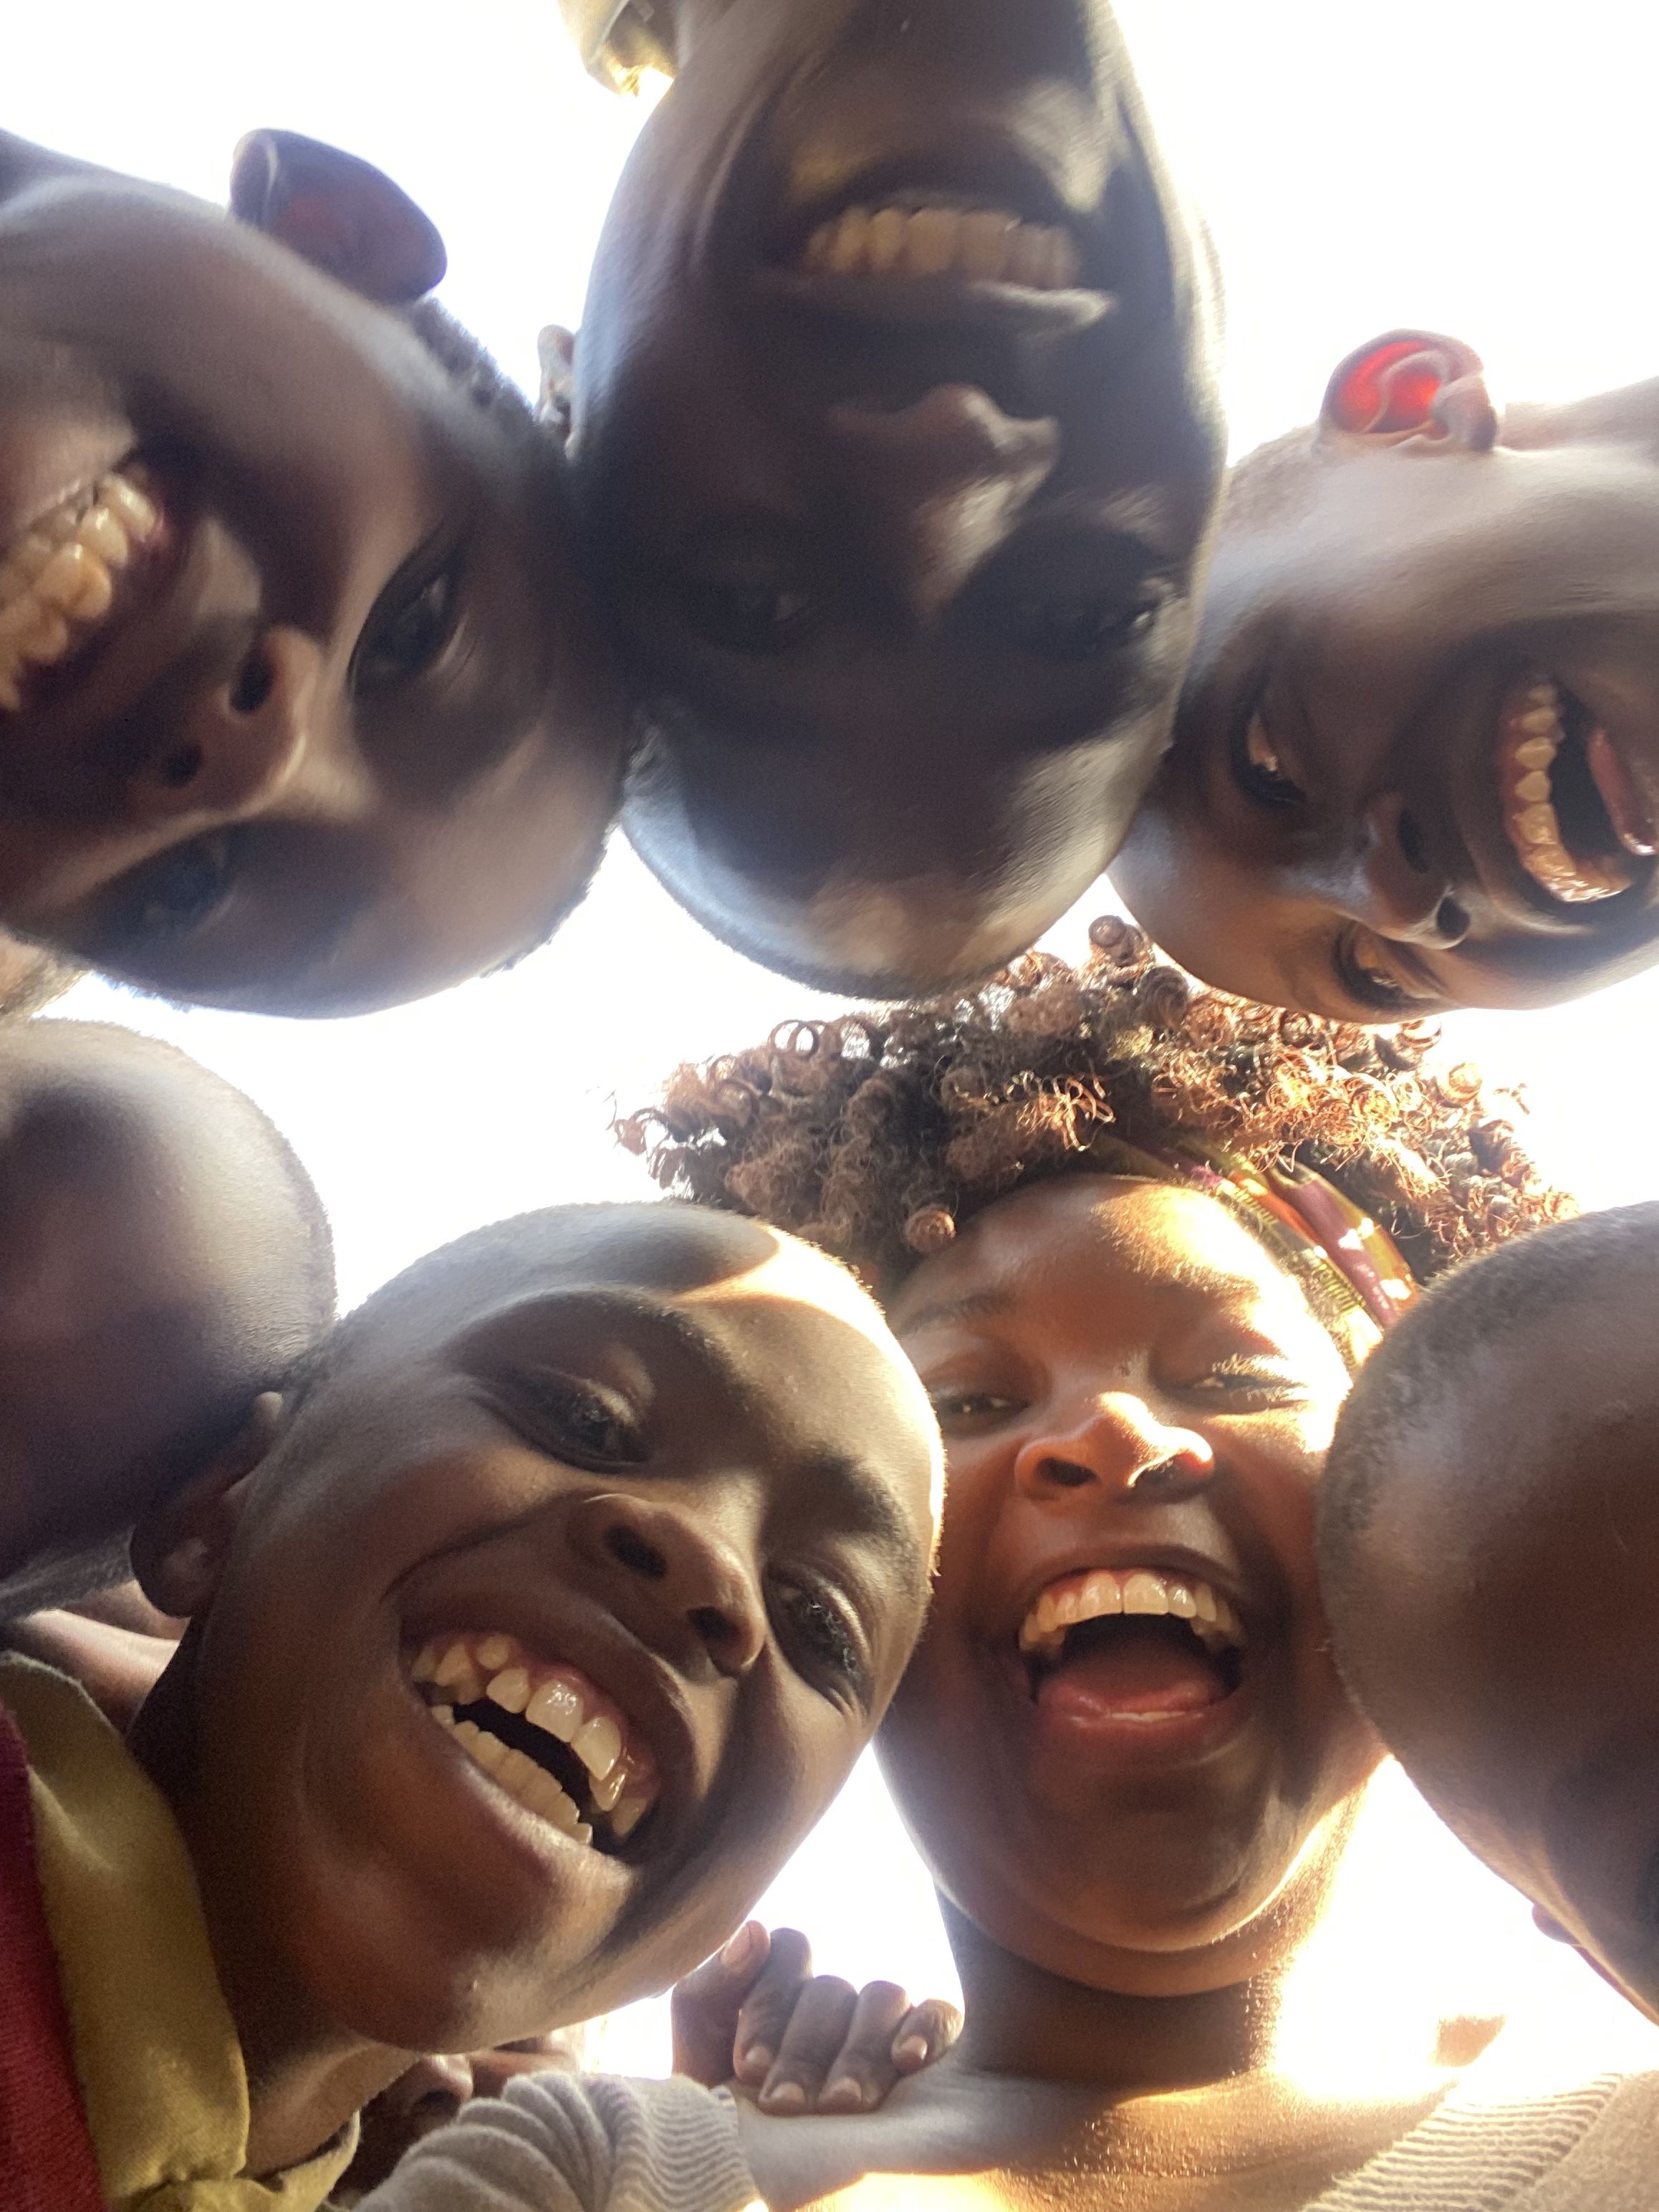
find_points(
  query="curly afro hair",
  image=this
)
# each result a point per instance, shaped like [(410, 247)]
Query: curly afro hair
[(875, 1134)]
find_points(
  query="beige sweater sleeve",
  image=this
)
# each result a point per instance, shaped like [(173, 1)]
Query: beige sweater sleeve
[(563, 2143)]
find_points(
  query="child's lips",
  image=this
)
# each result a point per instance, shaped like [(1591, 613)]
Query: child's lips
[(541, 1731), (72, 577)]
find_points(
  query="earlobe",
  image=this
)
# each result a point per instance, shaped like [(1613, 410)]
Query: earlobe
[(1409, 384), (341, 215), (180, 1546)]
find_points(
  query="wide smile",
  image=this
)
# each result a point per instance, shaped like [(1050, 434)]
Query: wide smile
[(1142, 1660), (940, 252), (561, 1748), (77, 576), (1572, 812)]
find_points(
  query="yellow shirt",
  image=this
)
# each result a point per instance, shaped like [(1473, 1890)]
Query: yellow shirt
[(159, 2067)]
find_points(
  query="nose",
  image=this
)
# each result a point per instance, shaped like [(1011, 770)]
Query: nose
[(1399, 890), (237, 741), (1120, 1444), (941, 485), (684, 1589)]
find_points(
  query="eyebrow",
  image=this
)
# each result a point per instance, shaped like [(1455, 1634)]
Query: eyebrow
[(871, 1510), (1192, 1278)]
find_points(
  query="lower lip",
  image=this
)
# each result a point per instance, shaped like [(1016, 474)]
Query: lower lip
[(1075, 1721)]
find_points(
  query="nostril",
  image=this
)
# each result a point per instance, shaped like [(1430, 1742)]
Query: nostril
[(1066, 1473), (1412, 844), (181, 768), (1451, 921), (711, 1623), (631, 1549), (255, 679)]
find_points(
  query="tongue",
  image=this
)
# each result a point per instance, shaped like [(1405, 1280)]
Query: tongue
[(1140, 1669), (1627, 809)]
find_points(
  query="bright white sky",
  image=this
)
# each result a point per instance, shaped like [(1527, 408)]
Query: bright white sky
[(1486, 168)]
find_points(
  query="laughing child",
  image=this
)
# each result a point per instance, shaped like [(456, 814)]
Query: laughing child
[(303, 705), (529, 1633), (1489, 1527)]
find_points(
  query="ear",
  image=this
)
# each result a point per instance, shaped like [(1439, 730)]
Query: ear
[(341, 215), (1411, 384), (180, 1546), (557, 349)]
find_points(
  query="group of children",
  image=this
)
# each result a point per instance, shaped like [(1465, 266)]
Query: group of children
[(522, 1623)]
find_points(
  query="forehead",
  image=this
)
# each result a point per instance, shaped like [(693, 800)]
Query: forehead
[(1155, 1238)]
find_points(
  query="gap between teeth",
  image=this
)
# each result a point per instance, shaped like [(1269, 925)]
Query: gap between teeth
[(985, 244), (469, 1669), (62, 573), (1531, 735), (1142, 1591)]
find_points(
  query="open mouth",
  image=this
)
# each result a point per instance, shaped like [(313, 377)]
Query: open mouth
[(1136, 1646), (70, 575), (543, 1732), (1571, 811)]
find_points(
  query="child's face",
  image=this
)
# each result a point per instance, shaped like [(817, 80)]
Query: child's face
[(903, 552), (1108, 1773), (318, 723), (669, 1469), (1348, 823), (156, 1270), (1498, 1625)]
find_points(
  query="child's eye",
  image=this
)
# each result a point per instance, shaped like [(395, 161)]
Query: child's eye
[(1366, 974), (1242, 1384), (408, 630), (818, 1638), (958, 1412), (581, 1421), (1261, 771), (1087, 627), (173, 895), (746, 615)]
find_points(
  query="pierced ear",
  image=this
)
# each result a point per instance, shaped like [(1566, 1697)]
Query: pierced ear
[(557, 350), (1412, 384), (343, 215), (180, 1546)]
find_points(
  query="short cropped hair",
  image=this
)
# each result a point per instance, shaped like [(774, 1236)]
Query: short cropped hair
[(1422, 1365)]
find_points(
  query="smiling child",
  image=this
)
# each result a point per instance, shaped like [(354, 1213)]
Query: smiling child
[(528, 1636), (302, 705), (1488, 1532), (1415, 763)]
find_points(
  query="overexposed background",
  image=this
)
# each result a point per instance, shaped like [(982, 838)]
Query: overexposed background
[(1486, 168)]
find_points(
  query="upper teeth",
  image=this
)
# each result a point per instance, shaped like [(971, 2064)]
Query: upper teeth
[(467, 1669), (982, 243), (1530, 734), (1099, 1591), (59, 574)]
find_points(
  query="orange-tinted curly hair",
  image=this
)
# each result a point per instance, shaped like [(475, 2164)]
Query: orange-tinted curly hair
[(876, 1133)]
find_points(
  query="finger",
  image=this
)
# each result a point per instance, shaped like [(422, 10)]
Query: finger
[(707, 2006), (815, 2034), (926, 2033), (864, 2070), (769, 2006)]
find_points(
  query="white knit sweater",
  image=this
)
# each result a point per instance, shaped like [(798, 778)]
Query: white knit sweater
[(557, 2142)]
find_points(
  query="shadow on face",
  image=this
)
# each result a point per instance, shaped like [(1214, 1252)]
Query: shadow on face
[(896, 441), (303, 706), (615, 1587), (1416, 763), (1121, 1735)]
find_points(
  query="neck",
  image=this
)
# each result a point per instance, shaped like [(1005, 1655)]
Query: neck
[(306, 2077), (1023, 2019)]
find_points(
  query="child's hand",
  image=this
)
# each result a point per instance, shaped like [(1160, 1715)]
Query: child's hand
[(756, 2014)]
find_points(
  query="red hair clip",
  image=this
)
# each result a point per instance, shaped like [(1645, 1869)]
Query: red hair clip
[(1391, 386)]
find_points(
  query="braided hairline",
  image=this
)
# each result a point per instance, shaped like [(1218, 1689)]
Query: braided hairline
[(875, 1134)]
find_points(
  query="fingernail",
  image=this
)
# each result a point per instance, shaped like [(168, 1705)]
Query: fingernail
[(843, 2094), (913, 2051), (787, 2097), (759, 2059), (740, 1948)]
